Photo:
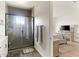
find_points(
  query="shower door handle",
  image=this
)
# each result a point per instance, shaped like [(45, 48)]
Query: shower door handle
[(22, 31), (9, 43)]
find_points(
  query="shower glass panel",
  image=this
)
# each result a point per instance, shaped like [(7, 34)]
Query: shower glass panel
[(19, 30)]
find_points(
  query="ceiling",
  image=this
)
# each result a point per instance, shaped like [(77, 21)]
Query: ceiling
[(21, 4)]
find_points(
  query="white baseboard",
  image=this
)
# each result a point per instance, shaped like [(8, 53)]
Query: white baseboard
[(39, 52)]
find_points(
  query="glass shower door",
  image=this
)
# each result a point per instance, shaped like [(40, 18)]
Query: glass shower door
[(27, 33), (19, 30)]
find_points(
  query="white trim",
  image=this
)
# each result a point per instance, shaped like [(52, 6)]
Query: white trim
[(39, 51)]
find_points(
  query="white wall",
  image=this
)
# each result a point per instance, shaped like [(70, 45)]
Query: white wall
[(65, 13), (41, 12), (3, 40), (51, 26), (2, 17)]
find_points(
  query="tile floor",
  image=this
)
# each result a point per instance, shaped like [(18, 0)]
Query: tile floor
[(19, 53)]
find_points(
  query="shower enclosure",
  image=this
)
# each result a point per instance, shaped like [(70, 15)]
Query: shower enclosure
[(20, 31)]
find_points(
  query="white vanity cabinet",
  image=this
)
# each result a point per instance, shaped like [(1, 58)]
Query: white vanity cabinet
[(3, 46)]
